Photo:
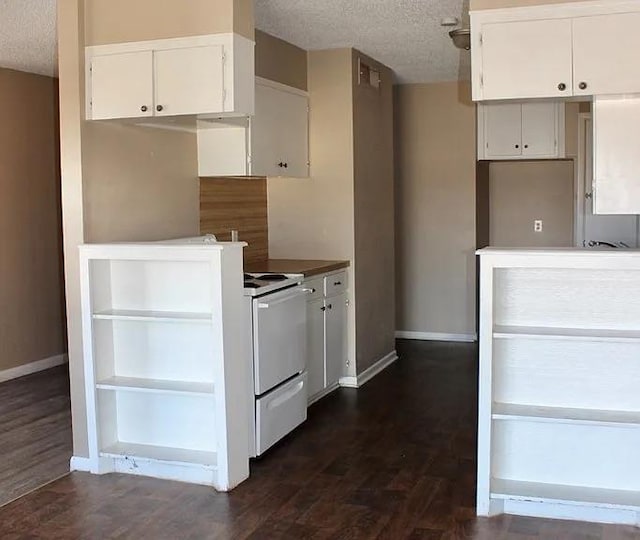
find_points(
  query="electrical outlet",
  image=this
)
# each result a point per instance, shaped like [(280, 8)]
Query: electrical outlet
[(537, 225)]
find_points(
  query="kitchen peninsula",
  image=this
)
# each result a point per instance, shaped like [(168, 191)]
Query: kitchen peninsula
[(559, 407)]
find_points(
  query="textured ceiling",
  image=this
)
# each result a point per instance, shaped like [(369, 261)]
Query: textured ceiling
[(403, 34), (28, 36)]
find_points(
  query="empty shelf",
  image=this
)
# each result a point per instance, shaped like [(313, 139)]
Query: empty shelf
[(160, 453), (157, 386), (573, 334), (562, 494), (152, 316), (532, 413)]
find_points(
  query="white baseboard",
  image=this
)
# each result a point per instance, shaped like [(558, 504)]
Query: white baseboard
[(436, 336), (322, 394), (33, 367), (369, 373), (78, 463)]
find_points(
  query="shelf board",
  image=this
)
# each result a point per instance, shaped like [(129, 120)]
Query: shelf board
[(565, 415), (565, 334), (164, 454), (156, 386), (562, 494), (152, 316)]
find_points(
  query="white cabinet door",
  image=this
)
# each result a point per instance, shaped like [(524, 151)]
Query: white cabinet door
[(605, 54), (616, 157), (280, 133), (336, 346), (189, 81), (315, 346), (539, 130), (526, 59), (265, 133), (122, 85), (503, 130)]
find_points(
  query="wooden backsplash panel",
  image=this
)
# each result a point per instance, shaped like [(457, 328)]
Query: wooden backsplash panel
[(240, 204)]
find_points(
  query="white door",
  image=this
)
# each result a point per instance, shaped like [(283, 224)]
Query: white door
[(294, 135), (279, 337), (315, 346), (122, 85), (605, 54), (265, 133), (601, 228), (189, 81), (526, 59), (503, 130), (539, 130), (336, 345)]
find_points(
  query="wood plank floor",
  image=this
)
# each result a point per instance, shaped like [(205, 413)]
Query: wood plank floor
[(35, 432), (394, 460)]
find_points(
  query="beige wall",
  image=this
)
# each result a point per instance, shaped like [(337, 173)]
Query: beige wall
[(493, 4), (280, 61), (121, 182), (374, 216), (118, 21), (31, 296), (524, 191), (435, 208)]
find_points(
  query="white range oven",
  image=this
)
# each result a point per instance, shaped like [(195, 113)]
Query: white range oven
[(276, 306)]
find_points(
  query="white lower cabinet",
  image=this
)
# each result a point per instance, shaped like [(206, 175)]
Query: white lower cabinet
[(326, 334)]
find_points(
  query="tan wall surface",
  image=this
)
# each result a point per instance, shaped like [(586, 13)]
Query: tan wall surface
[(374, 216), (495, 4), (120, 21), (280, 61), (31, 296), (313, 218), (435, 208), (524, 191)]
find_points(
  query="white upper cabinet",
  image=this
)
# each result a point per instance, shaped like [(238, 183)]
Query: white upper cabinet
[(189, 80), (528, 59), (555, 50), (113, 99), (532, 130), (275, 142), (203, 76), (605, 54)]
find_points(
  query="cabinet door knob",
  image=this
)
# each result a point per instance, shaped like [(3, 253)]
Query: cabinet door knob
[(517, 146), (336, 283), (144, 108), (330, 306), (526, 146), (281, 164), (583, 85), (159, 108), (323, 308), (562, 87)]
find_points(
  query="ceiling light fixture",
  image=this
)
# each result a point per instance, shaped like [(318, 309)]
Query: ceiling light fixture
[(461, 38)]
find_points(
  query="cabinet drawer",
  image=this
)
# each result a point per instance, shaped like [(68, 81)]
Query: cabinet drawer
[(335, 284), (315, 289)]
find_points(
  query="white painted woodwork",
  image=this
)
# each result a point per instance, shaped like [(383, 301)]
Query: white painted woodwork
[(275, 142), (616, 158), (532, 130), (189, 80), (122, 85), (165, 362), (326, 332), (526, 52), (605, 54), (198, 77), (559, 410), (526, 59)]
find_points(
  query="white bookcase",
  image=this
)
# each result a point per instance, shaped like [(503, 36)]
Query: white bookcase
[(559, 403), (165, 370)]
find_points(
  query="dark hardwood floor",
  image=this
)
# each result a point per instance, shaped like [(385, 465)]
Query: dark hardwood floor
[(35, 432), (394, 460)]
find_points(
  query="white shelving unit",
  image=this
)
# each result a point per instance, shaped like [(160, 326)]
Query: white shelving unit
[(559, 405), (165, 365)]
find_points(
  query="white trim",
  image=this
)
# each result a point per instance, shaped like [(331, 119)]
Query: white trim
[(79, 463), (261, 81), (33, 367), (369, 373), (323, 393), (436, 336), (580, 171), (556, 11)]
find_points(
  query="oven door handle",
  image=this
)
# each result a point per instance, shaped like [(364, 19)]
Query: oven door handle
[(267, 305)]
